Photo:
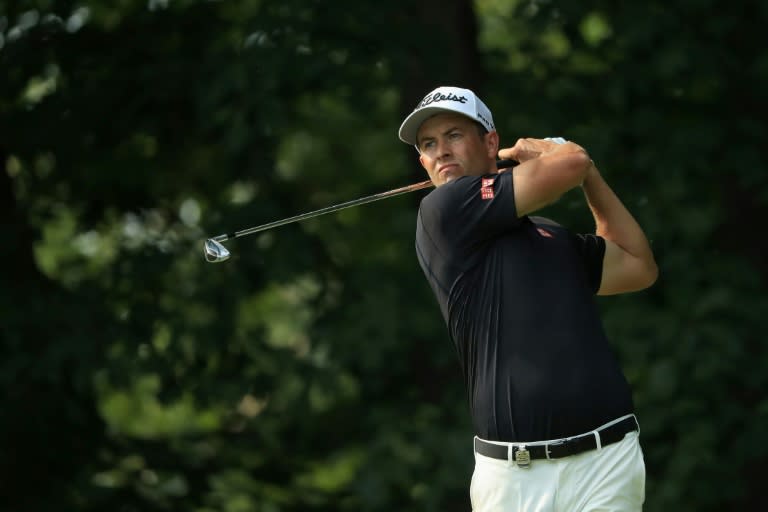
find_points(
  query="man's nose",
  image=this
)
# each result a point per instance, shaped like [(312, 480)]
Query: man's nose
[(443, 148)]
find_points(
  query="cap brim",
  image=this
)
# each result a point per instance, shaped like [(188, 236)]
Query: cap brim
[(410, 127)]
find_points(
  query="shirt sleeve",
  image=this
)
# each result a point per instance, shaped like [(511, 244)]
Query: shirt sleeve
[(465, 214), (591, 248)]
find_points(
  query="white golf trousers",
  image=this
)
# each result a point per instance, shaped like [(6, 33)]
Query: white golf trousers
[(608, 479)]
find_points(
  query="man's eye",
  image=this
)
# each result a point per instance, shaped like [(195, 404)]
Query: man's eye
[(428, 145), (454, 135)]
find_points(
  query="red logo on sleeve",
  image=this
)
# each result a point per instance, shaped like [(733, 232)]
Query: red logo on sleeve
[(486, 188)]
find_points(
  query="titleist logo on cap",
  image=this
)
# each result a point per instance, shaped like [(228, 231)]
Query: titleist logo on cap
[(445, 100), (438, 96)]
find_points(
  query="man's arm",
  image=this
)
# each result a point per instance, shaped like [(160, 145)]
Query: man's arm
[(547, 170), (628, 264)]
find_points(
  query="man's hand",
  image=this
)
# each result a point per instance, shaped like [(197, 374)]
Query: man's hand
[(528, 149), (547, 170)]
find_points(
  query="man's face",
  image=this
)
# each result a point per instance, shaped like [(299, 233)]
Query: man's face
[(451, 146)]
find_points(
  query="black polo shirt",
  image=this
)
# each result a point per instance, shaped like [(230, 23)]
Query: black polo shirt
[(518, 297)]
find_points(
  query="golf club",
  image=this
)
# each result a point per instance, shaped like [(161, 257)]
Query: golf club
[(215, 252)]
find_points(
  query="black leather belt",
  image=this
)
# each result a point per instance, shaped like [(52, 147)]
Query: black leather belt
[(523, 453)]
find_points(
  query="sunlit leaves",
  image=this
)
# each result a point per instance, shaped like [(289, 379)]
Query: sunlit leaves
[(284, 311), (595, 28), (136, 412)]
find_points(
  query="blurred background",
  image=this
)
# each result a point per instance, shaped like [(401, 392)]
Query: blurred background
[(312, 371)]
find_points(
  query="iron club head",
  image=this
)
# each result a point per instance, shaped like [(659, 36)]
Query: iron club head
[(215, 252)]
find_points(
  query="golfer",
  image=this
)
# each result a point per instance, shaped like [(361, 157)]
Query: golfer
[(552, 412)]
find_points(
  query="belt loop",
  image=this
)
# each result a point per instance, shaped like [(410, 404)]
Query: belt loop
[(597, 440), (510, 454)]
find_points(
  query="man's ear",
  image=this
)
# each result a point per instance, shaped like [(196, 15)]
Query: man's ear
[(492, 144), (421, 161)]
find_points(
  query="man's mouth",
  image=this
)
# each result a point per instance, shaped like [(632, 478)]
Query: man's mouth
[(446, 170)]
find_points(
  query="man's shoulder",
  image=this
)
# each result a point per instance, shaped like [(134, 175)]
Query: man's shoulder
[(439, 196), (454, 185), (458, 189)]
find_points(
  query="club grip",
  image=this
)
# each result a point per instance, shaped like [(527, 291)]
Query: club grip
[(506, 164)]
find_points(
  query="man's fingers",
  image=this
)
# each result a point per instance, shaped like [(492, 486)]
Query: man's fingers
[(507, 153), (530, 148)]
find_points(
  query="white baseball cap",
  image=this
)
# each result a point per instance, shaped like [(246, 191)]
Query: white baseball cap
[(446, 99)]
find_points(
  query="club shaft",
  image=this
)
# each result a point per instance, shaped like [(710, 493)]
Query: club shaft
[(501, 164), (323, 211)]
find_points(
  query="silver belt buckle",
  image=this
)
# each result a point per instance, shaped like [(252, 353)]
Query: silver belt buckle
[(523, 457)]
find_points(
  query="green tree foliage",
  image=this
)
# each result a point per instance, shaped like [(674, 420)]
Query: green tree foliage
[(312, 371)]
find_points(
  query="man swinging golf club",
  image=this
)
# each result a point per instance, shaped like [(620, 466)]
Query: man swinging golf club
[(552, 412)]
